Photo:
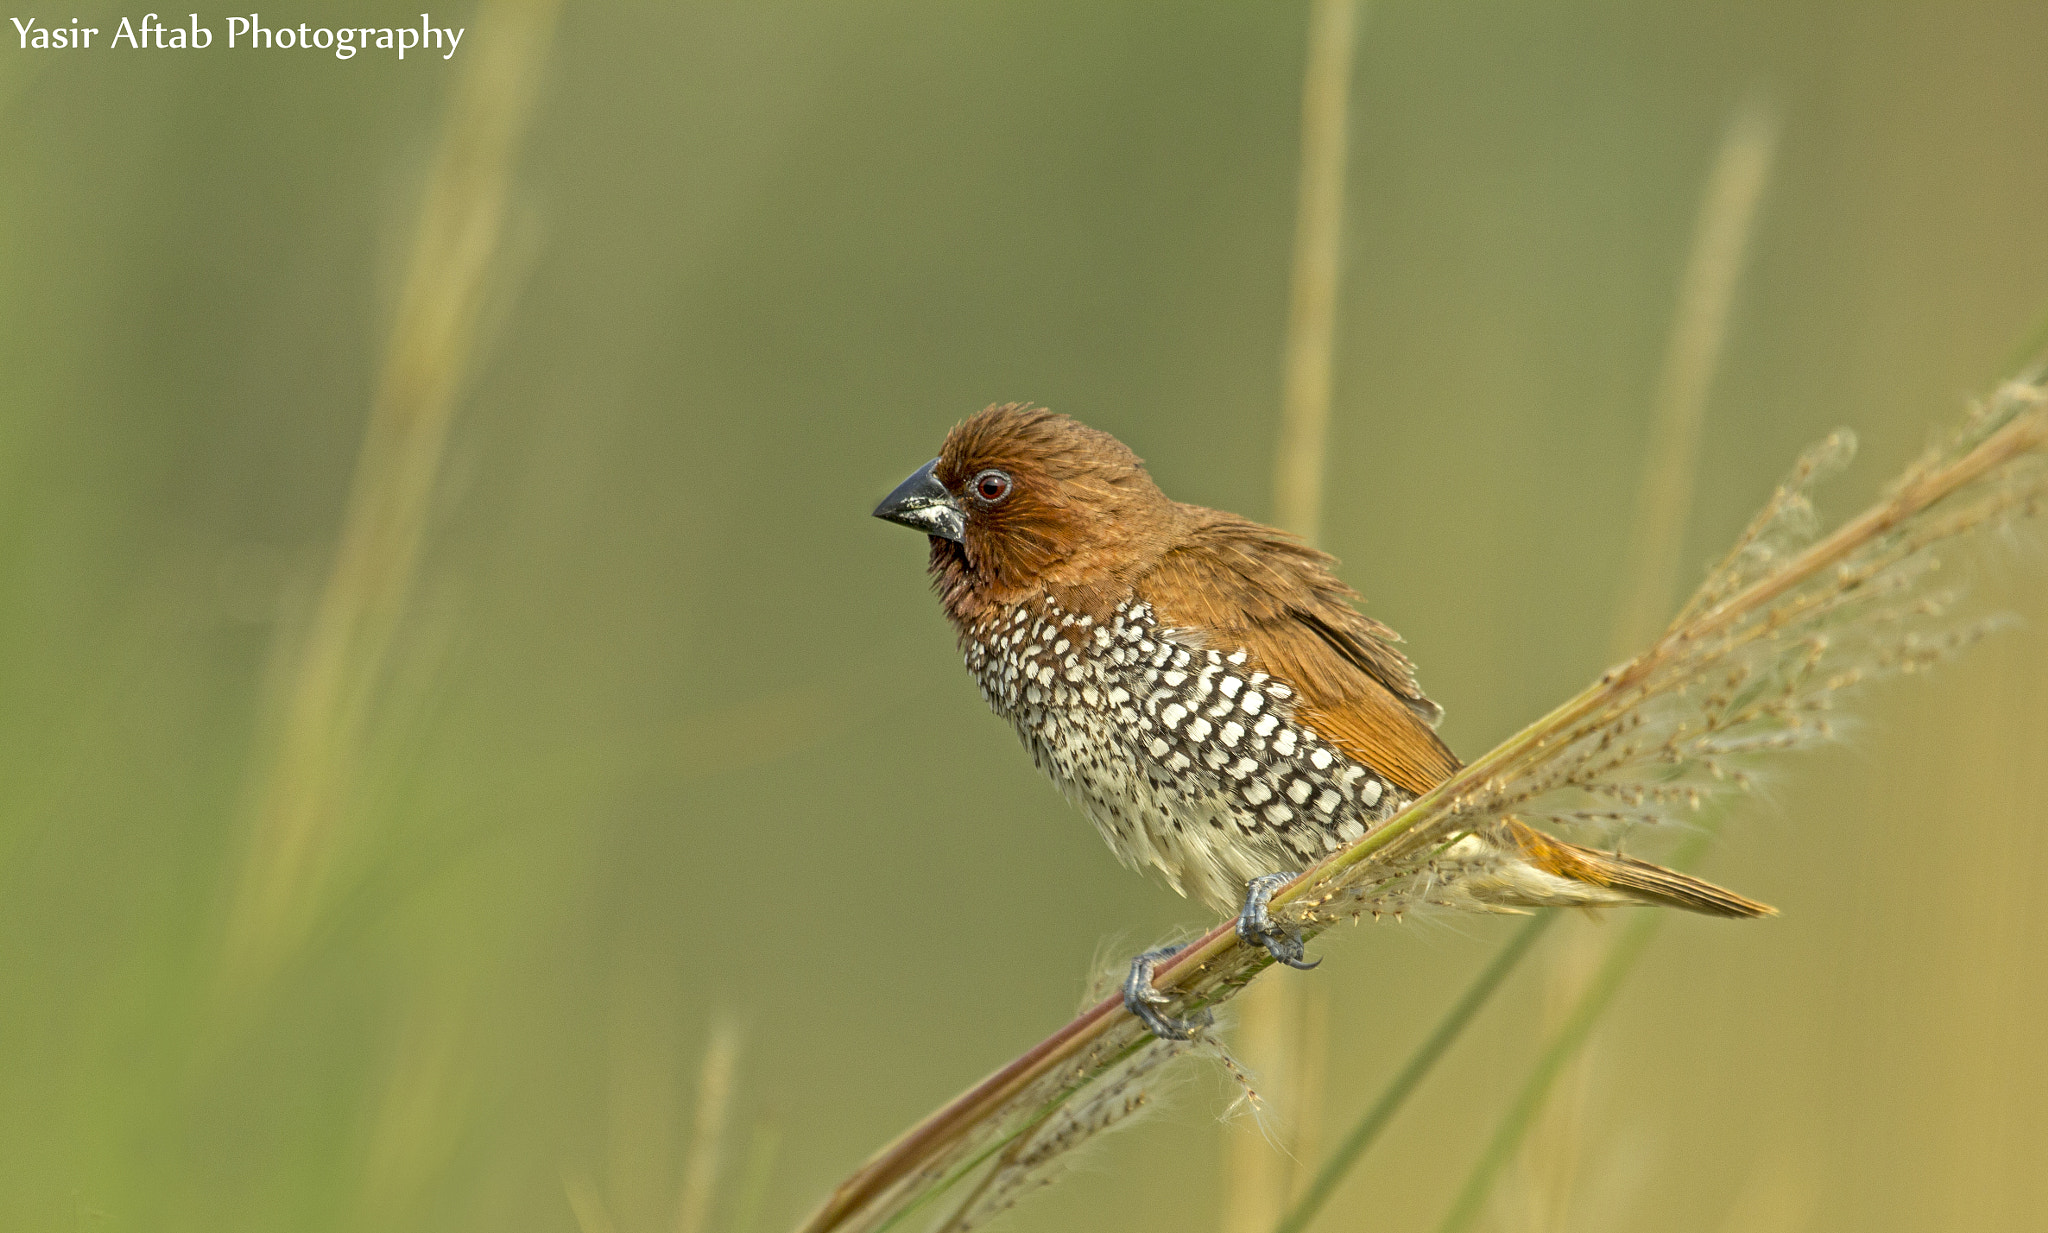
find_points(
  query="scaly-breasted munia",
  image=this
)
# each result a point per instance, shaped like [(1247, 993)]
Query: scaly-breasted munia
[(1200, 685)]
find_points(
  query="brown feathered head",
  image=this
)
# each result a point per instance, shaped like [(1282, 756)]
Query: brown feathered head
[(1021, 498)]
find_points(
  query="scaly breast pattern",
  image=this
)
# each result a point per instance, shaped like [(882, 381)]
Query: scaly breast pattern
[(1184, 760)]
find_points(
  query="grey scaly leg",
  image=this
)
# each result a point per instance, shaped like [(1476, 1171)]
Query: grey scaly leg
[(1140, 998), (1255, 926)]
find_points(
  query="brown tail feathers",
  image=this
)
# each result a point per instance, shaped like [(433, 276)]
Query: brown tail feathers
[(1637, 879)]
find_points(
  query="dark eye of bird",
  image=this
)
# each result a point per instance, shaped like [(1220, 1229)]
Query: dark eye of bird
[(991, 486)]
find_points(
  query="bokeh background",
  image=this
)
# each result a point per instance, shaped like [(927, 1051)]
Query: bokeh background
[(658, 731)]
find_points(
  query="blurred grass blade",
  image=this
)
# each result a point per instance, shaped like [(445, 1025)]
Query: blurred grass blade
[(707, 1137), (1362, 1135), (1260, 1154), (1699, 328), (1318, 264), (300, 789)]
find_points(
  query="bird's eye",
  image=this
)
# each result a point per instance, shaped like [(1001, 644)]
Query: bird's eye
[(991, 486)]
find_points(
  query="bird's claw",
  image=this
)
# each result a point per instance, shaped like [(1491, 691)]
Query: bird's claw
[(1140, 998), (1255, 924)]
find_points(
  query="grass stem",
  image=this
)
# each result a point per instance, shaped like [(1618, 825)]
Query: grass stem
[(1318, 265)]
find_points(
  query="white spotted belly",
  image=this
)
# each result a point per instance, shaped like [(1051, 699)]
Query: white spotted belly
[(1186, 762)]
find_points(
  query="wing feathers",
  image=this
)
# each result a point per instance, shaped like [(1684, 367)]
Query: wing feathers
[(1250, 586)]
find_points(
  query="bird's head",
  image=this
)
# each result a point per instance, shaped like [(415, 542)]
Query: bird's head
[(1021, 498)]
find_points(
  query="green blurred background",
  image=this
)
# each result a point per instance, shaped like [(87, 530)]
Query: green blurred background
[(670, 733)]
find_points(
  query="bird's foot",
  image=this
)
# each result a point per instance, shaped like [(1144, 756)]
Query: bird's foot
[(1255, 925), (1141, 999)]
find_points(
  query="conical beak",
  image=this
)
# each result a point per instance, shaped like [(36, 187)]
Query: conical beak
[(923, 504)]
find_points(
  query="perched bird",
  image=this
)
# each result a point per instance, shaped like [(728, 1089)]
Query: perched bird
[(1202, 686)]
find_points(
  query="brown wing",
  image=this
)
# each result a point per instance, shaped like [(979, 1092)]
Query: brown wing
[(1248, 585)]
